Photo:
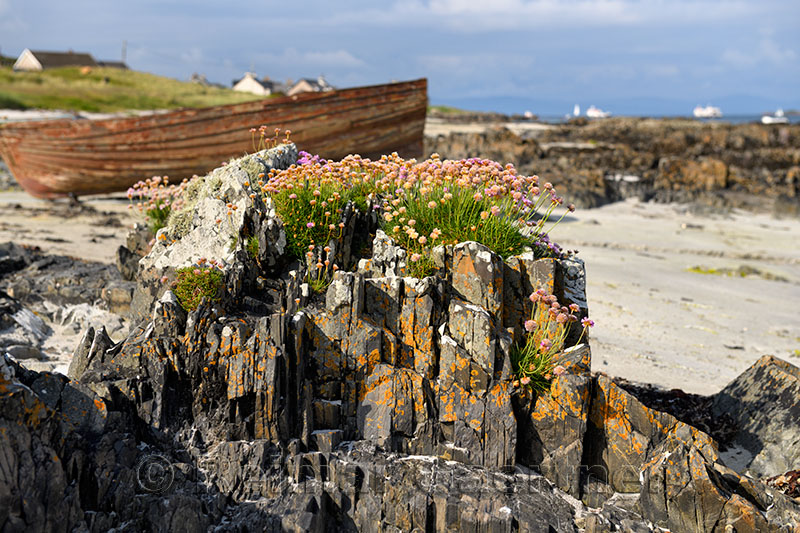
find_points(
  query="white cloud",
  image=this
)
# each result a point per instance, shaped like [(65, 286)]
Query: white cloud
[(334, 58), (482, 65), (503, 15), (663, 71), (328, 58), (767, 51)]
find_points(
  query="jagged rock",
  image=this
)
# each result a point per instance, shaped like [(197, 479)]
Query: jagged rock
[(388, 259), (207, 228), (385, 404), (169, 318), (553, 426), (35, 491), (90, 350), (763, 403), (21, 331), (127, 263), (622, 434), (477, 276), (684, 489), (139, 239)]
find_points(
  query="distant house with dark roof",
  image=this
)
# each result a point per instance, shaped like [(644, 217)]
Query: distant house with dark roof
[(30, 60), (305, 85), (113, 64), (251, 84)]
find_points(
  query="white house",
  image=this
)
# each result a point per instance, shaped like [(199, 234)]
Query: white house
[(251, 84), (305, 85), (31, 60)]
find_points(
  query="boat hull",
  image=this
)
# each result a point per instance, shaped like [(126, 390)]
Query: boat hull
[(78, 157)]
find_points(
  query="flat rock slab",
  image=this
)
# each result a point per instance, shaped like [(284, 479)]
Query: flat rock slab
[(764, 403)]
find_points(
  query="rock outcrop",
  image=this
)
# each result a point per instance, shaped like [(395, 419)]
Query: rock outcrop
[(717, 164), (387, 403)]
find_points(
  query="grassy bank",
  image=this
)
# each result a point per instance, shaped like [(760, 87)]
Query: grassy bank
[(106, 90)]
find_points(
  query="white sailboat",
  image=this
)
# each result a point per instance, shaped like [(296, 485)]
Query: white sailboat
[(576, 111)]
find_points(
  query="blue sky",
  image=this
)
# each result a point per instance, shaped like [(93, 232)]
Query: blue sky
[(628, 56)]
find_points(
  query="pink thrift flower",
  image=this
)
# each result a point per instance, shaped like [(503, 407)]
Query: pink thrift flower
[(546, 344), (587, 322), (310, 225), (525, 380), (530, 326), (558, 370)]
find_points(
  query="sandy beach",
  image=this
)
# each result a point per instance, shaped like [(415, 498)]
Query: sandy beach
[(660, 319), (687, 300), (92, 231)]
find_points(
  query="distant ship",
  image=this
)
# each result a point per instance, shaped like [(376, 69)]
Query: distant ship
[(594, 112), (777, 118), (576, 111), (708, 111)]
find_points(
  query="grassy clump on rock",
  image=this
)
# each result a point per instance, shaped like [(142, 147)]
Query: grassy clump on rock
[(194, 283)]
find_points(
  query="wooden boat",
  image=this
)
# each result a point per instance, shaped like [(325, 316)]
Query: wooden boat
[(77, 156)]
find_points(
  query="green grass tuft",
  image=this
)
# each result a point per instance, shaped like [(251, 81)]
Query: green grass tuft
[(252, 246), (195, 283)]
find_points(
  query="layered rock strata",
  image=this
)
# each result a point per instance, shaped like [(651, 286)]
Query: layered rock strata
[(385, 404)]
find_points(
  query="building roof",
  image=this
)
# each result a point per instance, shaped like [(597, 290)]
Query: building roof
[(268, 84), (318, 84), (113, 64), (64, 59)]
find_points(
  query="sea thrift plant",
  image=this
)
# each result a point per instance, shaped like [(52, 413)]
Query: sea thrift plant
[(422, 204), (262, 142), (193, 283), (310, 198), (156, 198), (535, 362)]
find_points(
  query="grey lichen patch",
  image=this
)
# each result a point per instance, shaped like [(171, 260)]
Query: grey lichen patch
[(252, 166), (181, 221)]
